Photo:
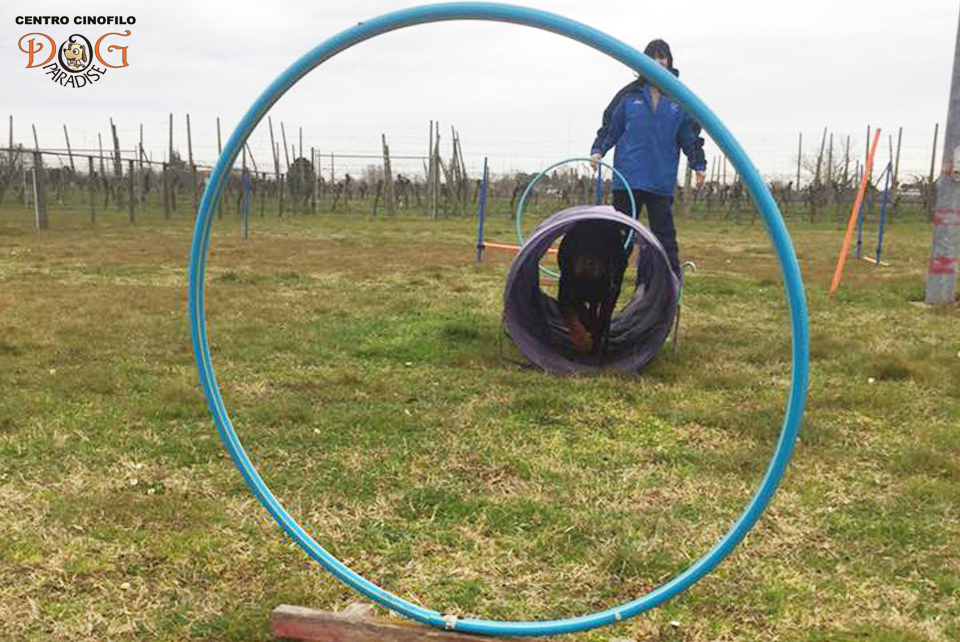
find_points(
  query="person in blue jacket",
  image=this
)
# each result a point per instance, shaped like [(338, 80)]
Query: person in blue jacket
[(648, 130)]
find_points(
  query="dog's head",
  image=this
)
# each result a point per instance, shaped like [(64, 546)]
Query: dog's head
[(74, 51), (594, 250)]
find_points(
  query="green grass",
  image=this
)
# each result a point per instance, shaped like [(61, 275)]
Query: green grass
[(360, 360)]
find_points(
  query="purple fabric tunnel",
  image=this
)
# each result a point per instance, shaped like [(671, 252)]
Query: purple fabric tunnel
[(533, 321)]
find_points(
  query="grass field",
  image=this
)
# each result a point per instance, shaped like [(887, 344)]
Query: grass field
[(361, 362)]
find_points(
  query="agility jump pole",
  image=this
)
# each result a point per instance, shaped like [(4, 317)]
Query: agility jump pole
[(512, 248), (852, 223)]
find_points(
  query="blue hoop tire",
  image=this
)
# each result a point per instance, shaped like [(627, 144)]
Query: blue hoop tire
[(518, 217), (669, 85)]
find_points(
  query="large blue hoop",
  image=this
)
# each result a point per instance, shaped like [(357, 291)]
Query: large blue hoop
[(669, 85)]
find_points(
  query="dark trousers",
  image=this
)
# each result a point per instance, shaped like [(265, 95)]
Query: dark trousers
[(660, 215)]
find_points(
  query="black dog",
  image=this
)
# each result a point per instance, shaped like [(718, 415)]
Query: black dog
[(592, 262)]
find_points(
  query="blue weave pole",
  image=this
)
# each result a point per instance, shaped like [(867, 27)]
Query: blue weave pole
[(883, 211), (671, 86), (481, 210)]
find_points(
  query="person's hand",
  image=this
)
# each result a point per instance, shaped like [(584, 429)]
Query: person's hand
[(701, 177), (594, 161)]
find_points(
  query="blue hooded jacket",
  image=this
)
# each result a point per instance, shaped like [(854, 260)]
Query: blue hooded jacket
[(648, 142)]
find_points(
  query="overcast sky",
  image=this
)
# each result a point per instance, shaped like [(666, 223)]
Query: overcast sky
[(523, 97)]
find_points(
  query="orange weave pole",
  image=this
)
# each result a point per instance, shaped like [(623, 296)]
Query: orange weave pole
[(852, 223), (512, 248)]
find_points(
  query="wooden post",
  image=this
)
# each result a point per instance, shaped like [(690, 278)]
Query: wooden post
[(280, 182), (357, 623), (846, 162), (170, 152), (193, 168), (103, 174), (91, 190), (461, 171), (844, 179), (453, 180), (388, 194), (315, 192), (929, 197), (273, 148), (895, 184), (933, 153), (117, 162), (455, 174), (73, 168), (831, 192), (799, 158), (166, 191), (39, 202), (817, 187), (296, 197), (140, 156), (286, 150), (130, 199), (437, 166), (246, 193), (219, 152), (431, 170), (36, 141), (300, 155), (896, 162), (276, 165), (263, 177), (830, 176)]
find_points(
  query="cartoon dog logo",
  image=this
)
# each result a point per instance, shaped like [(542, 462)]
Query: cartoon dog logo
[(75, 54)]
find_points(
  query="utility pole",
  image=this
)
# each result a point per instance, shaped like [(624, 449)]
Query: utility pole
[(945, 250)]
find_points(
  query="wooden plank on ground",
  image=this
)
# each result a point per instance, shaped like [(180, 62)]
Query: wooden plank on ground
[(356, 623)]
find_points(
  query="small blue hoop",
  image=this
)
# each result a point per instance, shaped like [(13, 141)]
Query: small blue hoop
[(518, 217)]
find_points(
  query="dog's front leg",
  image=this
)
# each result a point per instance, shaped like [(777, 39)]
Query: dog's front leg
[(603, 329), (579, 335)]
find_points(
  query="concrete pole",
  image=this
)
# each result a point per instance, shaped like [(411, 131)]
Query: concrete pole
[(945, 250)]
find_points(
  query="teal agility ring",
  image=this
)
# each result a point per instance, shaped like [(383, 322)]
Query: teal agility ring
[(697, 109), (522, 203)]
